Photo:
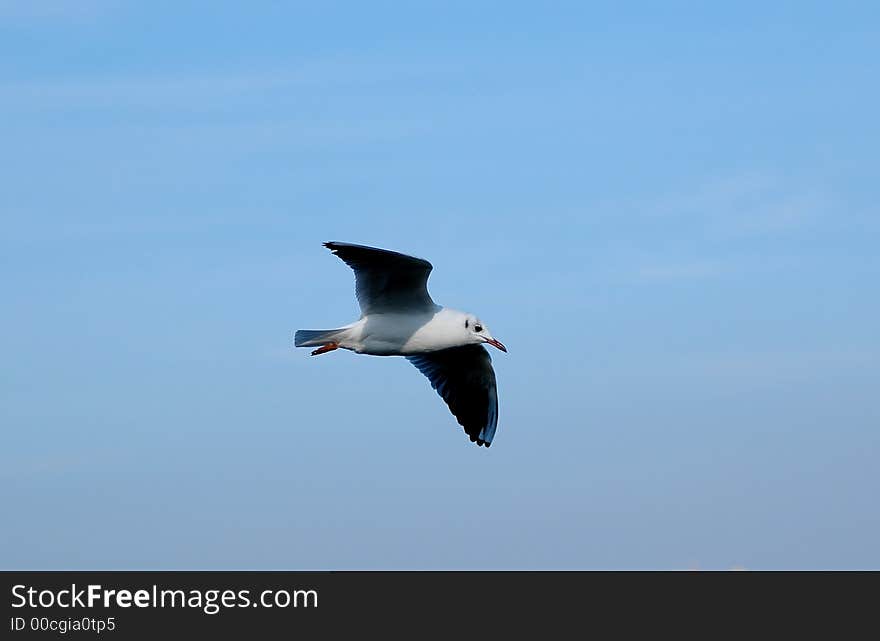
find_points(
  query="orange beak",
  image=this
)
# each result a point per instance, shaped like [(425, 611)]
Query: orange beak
[(497, 344)]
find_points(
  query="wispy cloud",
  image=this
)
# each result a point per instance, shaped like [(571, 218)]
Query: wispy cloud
[(751, 203), (772, 366), (186, 88), (677, 271), (56, 10), (693, 234)]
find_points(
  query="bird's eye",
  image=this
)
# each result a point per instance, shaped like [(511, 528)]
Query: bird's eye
[(465, 323), (478, 328)]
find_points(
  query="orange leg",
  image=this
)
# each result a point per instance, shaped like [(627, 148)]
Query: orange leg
[(329, 347)]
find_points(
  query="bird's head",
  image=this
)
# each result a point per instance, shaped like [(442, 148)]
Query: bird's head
[(474, 331)]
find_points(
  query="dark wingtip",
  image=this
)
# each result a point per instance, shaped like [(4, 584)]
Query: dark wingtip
[(480, 442), (334, 246)]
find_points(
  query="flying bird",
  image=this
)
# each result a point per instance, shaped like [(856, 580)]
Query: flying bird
[(398, 318)]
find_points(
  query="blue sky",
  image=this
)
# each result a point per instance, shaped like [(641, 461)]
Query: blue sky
[(668, 213)]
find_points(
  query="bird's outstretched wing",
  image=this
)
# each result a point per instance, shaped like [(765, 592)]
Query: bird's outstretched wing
[(385, 281), (464, 378)]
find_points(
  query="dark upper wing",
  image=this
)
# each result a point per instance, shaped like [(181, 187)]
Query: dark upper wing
[(386, 281), (464, 378)]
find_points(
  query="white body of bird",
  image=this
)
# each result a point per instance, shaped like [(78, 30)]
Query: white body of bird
[(406, 334)]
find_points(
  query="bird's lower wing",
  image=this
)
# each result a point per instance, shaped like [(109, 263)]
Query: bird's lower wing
[(464, 378)]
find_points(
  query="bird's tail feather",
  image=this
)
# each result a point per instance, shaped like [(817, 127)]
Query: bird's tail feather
[(312, 337)]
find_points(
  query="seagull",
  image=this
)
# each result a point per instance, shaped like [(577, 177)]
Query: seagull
[(398, 318)]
